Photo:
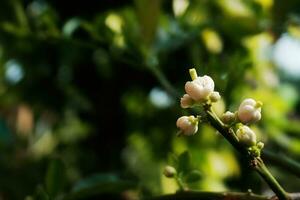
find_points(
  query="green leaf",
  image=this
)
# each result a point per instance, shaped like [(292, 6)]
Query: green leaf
[(184, 160), (193, 176), (55, 177), (100, 184)]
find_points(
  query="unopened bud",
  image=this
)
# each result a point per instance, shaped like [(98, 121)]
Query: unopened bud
[(249, 111), (246, 136), (228, 117), (200, 88), (188, 125), (170, 171), (214, 97)]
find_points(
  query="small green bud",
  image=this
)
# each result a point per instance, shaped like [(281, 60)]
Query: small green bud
[(214, 97), (169, 171), (260, 145), (254, 151), (228, 117)]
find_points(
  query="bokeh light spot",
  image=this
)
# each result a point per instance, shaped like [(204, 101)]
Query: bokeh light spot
[(13, 71)]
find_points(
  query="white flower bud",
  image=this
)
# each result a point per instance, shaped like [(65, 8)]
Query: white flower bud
[(215, 96), (186, 101), (170, 171), (249, 111), (200, 88), (246, 136), (228, 117), (188, 125)]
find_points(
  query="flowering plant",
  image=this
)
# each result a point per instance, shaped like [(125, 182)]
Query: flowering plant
[(234, 127)]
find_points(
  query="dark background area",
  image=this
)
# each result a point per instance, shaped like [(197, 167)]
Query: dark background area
[(89, 93)]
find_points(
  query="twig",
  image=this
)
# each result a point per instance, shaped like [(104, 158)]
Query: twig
[(163, 81), (194, 195), (197, 195)]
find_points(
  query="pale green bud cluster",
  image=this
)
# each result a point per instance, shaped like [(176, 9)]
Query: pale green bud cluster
[(228, 117)]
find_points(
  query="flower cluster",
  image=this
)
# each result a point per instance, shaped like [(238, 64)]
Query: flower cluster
[(200, 92)]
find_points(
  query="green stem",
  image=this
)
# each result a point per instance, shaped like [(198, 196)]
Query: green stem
[(180, 183), (219, 126), (163, 81), (261, 168), (196, 195)]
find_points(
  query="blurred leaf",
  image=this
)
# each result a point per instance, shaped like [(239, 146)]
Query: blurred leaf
[(100, 184), (5, 135), (148, 18), (193, 176), (184, 160), (72, 129), (71, 26), (55, 177)]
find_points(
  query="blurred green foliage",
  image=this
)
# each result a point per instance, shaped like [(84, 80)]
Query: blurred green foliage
[(89, 94)]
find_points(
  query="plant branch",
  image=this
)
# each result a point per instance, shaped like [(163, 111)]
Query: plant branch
[(194, 195), (255, 162), (263, 171), (163, 81)]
